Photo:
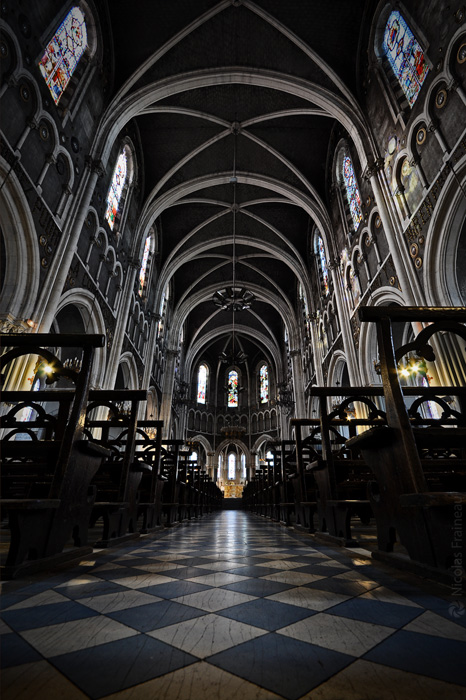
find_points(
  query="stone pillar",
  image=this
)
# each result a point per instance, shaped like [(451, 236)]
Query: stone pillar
[(298, 382), (345, 322), (122, 315), (374, 175), (167, 392), (53, 287)]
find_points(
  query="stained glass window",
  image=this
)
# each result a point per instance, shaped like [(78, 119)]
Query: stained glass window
[(352, 192), (231, 466), (143, 270), (233, 388), (243, 466), (201, 383), (219, 469), (116, 189), (264, 384), (405, 56), (323, 264), (63, 53)]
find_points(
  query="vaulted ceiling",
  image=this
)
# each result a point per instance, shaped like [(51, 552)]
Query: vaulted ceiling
[(238, 105)]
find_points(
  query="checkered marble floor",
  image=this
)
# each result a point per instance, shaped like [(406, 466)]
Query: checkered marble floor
[(233, 607)]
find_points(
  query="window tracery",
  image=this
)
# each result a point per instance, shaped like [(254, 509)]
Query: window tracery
[(144, 266), (64, 52), (231, 466), (202, 383), (264, 384), (323, 264), (352, 192), (405, 56), (116, 189), (232, 388)]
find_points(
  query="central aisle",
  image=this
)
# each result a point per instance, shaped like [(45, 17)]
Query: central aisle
[(232, 607)]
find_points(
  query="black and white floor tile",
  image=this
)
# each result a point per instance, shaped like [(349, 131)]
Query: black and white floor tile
[(232, 607)]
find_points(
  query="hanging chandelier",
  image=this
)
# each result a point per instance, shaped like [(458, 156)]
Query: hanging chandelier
[(233, 298)]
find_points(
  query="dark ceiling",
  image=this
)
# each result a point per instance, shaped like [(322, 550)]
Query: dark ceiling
[(234, 104)]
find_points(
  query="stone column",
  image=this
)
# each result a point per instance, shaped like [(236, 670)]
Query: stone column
[(53, 287), (375, 175), (114, 355), (168, 380), (345, 323)]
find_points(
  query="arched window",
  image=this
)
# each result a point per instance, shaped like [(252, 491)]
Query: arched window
[(243, 465), (116, 188), (405, 56), (323, 264), (302, 296), (231, 466), (202, 375), (192, 457), (264, 384), (232, 388), (352, 192), (143, 272), (63, 52), (219, 470)]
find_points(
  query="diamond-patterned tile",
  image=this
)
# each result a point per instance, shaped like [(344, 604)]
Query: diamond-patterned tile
[(42, 615), (79, 634), (364, 680), (200, 680), (15, 651), (259, 587), (120, 664), (214, 599), (207, 635), (310, 598), (266, 614), (431, 623), (286, 666), (269, 615), (351, 637), (389, 614), (175, 588), (150, 617), (424, 654), (218, 579), (294, 578)]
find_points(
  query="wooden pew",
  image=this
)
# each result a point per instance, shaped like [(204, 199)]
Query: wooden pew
[(396, 452), (117, 481), (170, 459), (287, 457), (341, 476), (46, 482), (308, 449), (148, 451)]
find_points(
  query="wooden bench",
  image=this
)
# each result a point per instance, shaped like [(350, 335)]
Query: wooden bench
[(287, 466), (46, 482), (170, 458), (398, 453), (148, 451), (117, 481), (341, 477)]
